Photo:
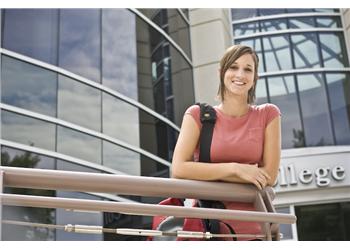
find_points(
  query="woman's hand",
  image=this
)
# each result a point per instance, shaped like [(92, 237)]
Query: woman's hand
[(251, 173)]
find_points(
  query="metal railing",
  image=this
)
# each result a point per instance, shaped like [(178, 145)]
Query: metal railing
[(265, 213)]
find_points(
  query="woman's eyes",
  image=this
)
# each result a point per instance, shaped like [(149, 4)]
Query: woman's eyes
[(246, 69)]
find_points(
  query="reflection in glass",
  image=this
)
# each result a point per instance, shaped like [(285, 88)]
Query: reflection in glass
[(316, 117), (339, 97), (121, 159), (34, 88), (19, 158), (79, 103), (26, 130), (277, 53), (270, 11), (256, 45), (238, 14), (246, 28), (275, 24), (301, 23), (328, 22), (260, 92), (283, 93), (64, 217), (32, 32), (333, 50), (120, 120), (119, 66), (80, 42), (79, 145), (305, 50), (69, 166)]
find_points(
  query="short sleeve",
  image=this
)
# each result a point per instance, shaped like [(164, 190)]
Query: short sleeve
[(272, 111), (194, 111)]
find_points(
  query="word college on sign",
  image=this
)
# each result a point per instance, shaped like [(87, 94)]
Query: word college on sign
[(290, 176)]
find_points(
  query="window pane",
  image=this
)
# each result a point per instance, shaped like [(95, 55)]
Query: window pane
[(283, 94), (19, 158), (80, 43), (300, 10), (333, 50), (120, 120), (27, 130), (32, 32), (328, 22), (119, 69), (79, 103), (270, 11), (301, 23), (323, 222), (69, 166), (339, 96), (245, 28), (277, 53), (121, 159), (238, 14), (315, 112), (27, 86), (79, 145), (260, 92), (271, 25), (305, 51)]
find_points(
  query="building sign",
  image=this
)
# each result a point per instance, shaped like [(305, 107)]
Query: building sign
[(301, 170)]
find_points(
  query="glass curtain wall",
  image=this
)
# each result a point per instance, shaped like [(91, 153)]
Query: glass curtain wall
[(79, 84), (304, 66)]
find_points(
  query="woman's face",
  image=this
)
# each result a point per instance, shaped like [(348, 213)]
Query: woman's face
[(239, 78)]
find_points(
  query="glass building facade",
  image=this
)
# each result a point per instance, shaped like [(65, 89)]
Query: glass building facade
[(92, 90), (304, 70)]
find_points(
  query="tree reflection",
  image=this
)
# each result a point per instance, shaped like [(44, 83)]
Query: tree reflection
[(299, 138), (27, 214)]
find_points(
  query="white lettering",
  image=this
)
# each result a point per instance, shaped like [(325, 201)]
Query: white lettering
[(305, 176), (338, 173), (321, 174)]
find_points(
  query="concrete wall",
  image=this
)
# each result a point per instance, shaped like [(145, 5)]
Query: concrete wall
[(210, 36)]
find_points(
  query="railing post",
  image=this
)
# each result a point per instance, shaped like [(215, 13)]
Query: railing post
[(1, 190)]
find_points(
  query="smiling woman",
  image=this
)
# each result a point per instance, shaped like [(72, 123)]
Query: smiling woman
[(246, 140)]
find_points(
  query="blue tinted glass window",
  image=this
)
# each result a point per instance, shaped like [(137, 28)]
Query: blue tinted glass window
[(333, 50), (78, 144), (79, 103), (245, 28), (120, 120), (277, 53), (275, 24), (260, 92), (339, 97), (316, 117), (301, 23), (283, 93), (305, 50), (80, 42), (238, 14), (27, 130), (328, 22), (119, 66), (27, 86), (32, 32), (121, 159)]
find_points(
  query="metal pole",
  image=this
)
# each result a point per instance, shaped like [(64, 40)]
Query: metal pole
[(145, 209)]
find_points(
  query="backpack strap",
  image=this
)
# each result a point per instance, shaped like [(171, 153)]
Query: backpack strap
[(208, 119)]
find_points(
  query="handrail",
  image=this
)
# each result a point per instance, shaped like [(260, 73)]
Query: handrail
[(143, 186)]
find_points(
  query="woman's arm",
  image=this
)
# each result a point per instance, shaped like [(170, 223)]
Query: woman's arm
[(272, 149), (184, 167)]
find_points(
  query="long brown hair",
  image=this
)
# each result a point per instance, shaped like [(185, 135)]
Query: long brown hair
[(230, 56)]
